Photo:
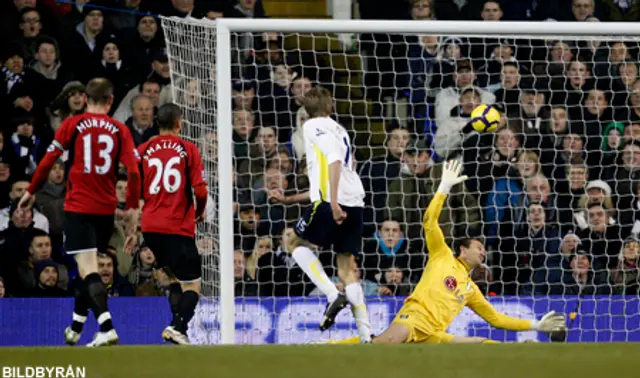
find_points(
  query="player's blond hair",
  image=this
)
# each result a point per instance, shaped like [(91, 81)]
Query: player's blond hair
[(318, 102)]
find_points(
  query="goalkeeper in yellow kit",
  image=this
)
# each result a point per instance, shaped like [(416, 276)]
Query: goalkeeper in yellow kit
[(446, 287)]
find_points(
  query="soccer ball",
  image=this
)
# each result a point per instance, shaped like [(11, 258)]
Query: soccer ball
[(485, 118)]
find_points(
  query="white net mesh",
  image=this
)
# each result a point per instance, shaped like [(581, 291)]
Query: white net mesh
[(554, 193)]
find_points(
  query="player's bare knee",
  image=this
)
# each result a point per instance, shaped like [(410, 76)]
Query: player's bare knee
[(347, 268), (87, 263), (194, 286), (293, 242)]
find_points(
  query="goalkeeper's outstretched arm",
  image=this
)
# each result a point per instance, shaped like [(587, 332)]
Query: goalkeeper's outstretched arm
[(432, 232), (551, 321)]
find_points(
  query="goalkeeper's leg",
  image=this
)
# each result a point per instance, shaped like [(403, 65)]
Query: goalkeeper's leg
[(353, 289)]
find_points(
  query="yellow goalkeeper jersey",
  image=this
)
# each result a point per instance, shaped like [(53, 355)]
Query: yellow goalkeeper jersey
[(446, 287)]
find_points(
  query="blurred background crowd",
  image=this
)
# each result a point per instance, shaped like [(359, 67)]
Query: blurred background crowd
[(553, 192)]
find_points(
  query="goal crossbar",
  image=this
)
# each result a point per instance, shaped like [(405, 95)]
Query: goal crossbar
[(225, 27)]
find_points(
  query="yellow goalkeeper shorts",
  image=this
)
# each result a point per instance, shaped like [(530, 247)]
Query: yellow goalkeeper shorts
[(414, 317)]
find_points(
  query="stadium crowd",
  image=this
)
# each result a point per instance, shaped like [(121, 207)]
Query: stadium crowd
[(554, 191)]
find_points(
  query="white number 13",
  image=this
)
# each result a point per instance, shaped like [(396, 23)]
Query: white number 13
[(165, 174), (105, 144)]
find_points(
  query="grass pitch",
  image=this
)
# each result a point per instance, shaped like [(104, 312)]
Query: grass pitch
[(352, 361)]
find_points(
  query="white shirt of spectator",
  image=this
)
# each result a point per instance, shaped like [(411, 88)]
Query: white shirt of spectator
[(325, 142), (39, 220)]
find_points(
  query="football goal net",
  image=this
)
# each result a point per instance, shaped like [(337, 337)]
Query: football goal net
[(553, 192)]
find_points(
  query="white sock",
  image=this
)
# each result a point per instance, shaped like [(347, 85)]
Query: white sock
[(309, 263), (355, 296)]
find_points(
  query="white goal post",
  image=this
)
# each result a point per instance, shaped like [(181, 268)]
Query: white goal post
[(224, 28)]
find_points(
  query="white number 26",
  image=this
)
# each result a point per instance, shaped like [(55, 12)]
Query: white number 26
[(167, 174)]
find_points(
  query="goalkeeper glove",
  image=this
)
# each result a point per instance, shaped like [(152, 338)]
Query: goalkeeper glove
[(551, 321), (451, 176)]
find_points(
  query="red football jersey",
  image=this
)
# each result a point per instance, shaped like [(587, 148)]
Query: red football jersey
[(96, 144), (171, 169)]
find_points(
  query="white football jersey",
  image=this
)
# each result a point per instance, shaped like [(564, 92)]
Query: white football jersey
[(326, 141)]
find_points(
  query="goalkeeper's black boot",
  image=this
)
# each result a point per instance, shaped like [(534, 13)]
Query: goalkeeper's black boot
[(332, 309)]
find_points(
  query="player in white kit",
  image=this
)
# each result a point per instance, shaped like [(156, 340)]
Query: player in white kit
[(335, 219)]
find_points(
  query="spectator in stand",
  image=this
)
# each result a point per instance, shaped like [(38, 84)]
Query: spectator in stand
[(20, 85), (596, 114), (79, 48), (142, 121), (488, 156), (31, 27), (40, 248), (47, 276), (451, 129), (244, 95), (411, 193), (612, 10), (623, 78), (582, 279), (535, 246), (601, 240), (630, 217), (278, 273), (123, 15), (571, 90), (283, 162), (244, 285), (243, 134), (449, 97), (624, 178), (530, 110), (26, 146), (18, 188), (114, 66), (142, 268), (631, 114), (582, 9), (47, 63), (5, 176), (389, 248), (50, 200), (507, 90), (377, 173), (393, 282), (500, 52), (507, 194), (144, 37), (263, 245), (151, 88), (272, 214), (14, 242), (70, 102), (554, 130), (577, 175), (559, 55), (451, 50), (116, 285), (261, 152), (246, 227), (598, 192), (612, 144), (422, 59), (3, 292), (572, 148), (631, 132), (626, 276), (211, 10)]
